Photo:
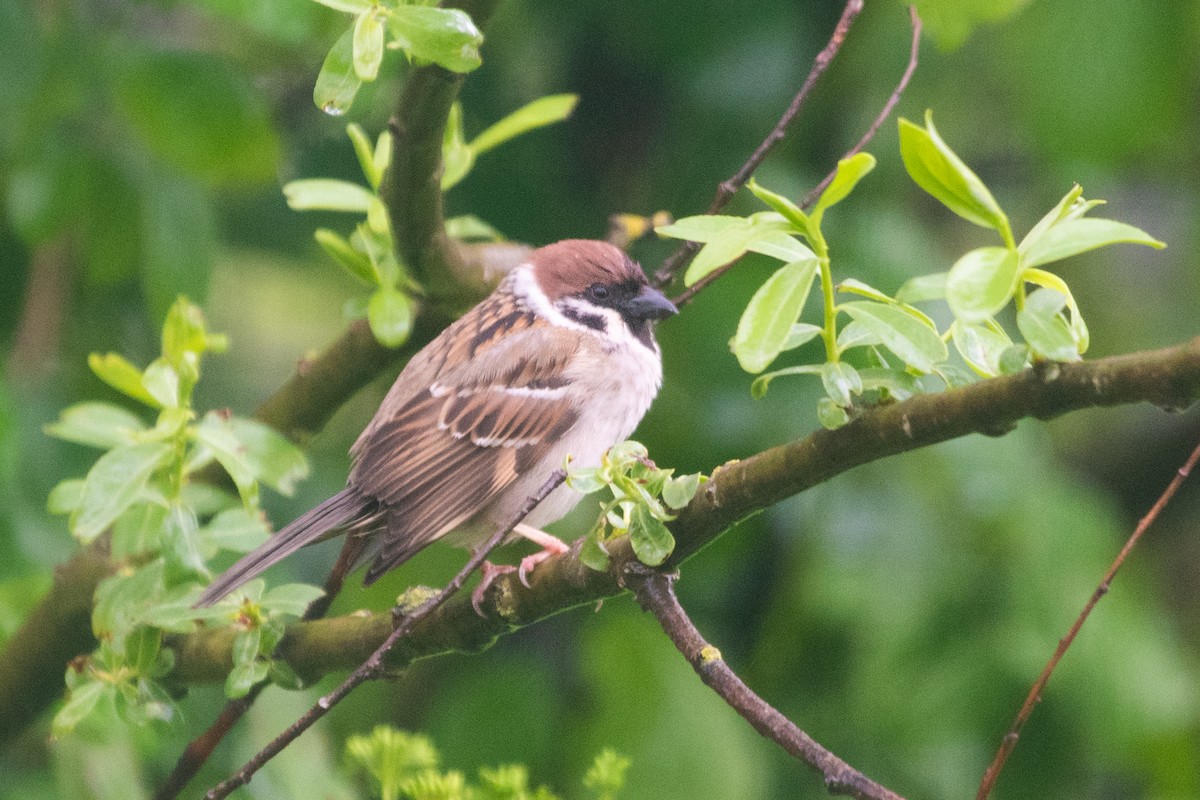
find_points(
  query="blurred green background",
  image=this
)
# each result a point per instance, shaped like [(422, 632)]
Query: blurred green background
[(898, 613)]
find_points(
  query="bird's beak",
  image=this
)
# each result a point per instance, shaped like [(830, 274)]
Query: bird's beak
[(649, 303)]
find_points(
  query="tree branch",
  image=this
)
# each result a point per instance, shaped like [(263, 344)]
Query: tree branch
[(655, 592), (1169, 378), (728, 188), (373, 667), (412, 186)]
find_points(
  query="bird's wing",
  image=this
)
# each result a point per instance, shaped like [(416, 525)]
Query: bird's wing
[(443, 454)]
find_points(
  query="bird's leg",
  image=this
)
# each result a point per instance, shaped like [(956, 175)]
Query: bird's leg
[(551, 546)]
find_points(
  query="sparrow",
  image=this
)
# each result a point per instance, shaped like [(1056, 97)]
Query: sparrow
[(559, 362)]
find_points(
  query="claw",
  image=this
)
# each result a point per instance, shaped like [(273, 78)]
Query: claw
[(551, 546), (490, 572)]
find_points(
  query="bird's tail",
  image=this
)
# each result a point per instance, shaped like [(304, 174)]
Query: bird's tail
[(344, 507)]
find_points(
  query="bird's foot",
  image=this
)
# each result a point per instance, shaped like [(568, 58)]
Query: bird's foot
[(490, 572), (551, 546)]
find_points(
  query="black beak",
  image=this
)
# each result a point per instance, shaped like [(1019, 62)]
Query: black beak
[(649, 303)]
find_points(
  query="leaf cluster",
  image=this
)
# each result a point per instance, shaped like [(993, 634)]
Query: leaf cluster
[(407, 765), (897, 348), (369, 253), (166, 524), (644, 498)]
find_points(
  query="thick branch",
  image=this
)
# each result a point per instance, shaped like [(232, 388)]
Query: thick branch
[(58, 629), (655, 593), (1169, 378), (412, 187)]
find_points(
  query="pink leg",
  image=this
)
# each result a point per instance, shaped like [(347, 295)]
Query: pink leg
[(551, 546)]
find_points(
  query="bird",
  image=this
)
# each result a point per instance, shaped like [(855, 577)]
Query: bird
[(559, 362)]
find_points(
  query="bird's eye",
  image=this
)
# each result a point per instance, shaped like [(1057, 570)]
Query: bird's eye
[(597, 292)]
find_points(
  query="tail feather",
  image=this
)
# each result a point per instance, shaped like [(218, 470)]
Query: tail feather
[(344, 507)]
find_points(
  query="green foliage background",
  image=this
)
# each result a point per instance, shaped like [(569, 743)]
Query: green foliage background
[(897, 613)]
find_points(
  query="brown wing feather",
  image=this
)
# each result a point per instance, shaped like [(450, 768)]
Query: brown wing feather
[(446, 451)]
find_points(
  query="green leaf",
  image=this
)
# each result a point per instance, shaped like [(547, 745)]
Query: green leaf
[(113, 484), (367, 45), (782, 246), (328, 194), (81, 701), (1071, 237), (250, 451), (651, 540), (592, 553), (939, 171), (783, 206), (982, 282), (854, 286), (142, 648), (96, 424), (849, 172), (899, 385), (700, 228), (841, 382), (291, 598), (199, 114), (758, 388), (801, 333), (65, 497), (182, 545), (732, 243), (469, 227), (1044, 328), (1071, 205), (350, 6), (243, 677), (184, 332), (830, 414), (1014, 359), (234, 529), (910, 338), (383, 156), (162, 383), (1051, 281), (139, 529), (541, 112), (767, 321), (275, 460), (457, 157), (351, 260), (365, 152), (585, 481), (980, 346), (118, 373), (445, 36), (923, 287), (390, 314), (678, 492), (855, 334), (337, 82)]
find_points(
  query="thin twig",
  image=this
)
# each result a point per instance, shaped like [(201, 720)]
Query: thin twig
[(690, 293), (200, 749), (655, 592), (373, 667), (1035, 693), (914, 51), (727, 188)]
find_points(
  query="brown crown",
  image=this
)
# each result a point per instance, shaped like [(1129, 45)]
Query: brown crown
[(570, 266)]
